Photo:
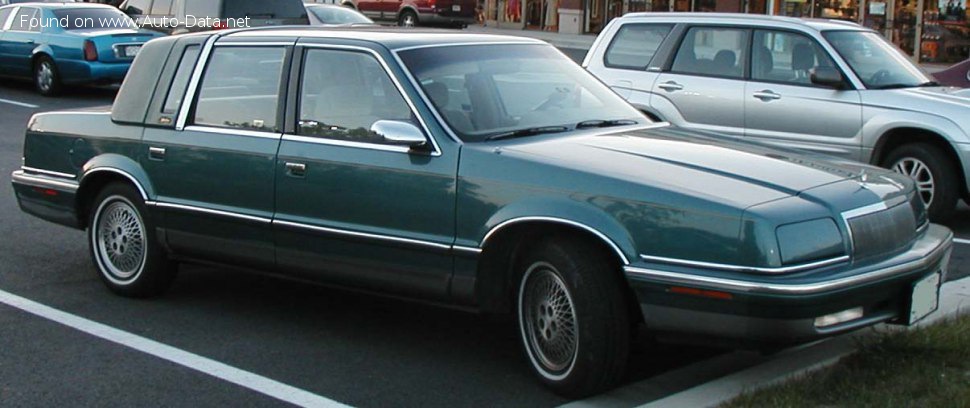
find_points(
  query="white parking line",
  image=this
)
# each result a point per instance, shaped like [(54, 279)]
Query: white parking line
[(962, 241), (196, 362), (21, 104)]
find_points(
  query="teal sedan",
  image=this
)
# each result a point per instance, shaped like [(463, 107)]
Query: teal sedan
[(57, 44), (488, 173)]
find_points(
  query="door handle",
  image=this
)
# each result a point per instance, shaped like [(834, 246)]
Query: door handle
[(156, 153), (296, 169), (670, 86), (767, 95)]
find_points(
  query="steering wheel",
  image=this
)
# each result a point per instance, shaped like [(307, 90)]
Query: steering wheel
[(880, 76)]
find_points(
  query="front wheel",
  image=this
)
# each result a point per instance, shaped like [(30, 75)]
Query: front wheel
[(935, 176), (124, 246), (573, 317)]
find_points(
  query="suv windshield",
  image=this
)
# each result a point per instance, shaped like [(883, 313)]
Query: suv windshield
[(877, 62), (487, 92), (275, 9)]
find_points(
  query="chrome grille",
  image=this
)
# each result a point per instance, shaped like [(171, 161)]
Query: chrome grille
[(882, 232)]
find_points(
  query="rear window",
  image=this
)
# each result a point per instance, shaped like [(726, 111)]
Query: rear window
[(262, 9), (635, 45), (100, 18)]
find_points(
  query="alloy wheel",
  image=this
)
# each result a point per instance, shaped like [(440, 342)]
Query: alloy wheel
[(921, 174), (120, 239), (548, 321), (45, 76)]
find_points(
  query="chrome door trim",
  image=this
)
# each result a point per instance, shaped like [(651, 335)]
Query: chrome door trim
[(253, 43), (190, 92), (355, 234), (592, 230), (397, 84), (48, 172), (233, 132), (210, 211), (523, 41), (346, 143), (141, 190), (466, 250), (21, 177), (747, 269)]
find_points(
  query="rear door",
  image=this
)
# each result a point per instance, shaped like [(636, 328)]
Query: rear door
[(19, 42), (5, 15), (351, 208), (214, 178), (784, 107), (703, 86), (370, 8)]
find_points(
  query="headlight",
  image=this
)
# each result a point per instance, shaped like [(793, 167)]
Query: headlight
[(809, 241)]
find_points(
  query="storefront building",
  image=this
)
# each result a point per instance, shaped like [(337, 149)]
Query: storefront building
[(931, 31)]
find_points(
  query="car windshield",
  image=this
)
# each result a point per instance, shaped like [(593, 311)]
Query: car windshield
[(490, 91), (879, 64), (93, 18), (338, 15)]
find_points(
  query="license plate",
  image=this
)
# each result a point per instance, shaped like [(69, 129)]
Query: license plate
[(926, 297), (132, 50), (456, 7)]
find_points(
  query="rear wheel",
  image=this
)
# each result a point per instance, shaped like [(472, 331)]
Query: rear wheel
[(934, 173), (124, 246), (47, 79), (573, 317), (407, 19)]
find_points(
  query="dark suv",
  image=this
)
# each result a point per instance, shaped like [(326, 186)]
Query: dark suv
[(182, 16)]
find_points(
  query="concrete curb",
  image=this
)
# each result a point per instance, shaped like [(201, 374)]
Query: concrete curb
[(954, 301)]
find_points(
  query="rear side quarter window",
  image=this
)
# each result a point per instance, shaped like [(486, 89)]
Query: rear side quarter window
[(634, 45), (176, 93)]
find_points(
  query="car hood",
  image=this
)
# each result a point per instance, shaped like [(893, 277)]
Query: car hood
[(716, 168)]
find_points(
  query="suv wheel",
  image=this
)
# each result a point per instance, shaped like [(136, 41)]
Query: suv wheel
[(573, 317), (934, 173), (407, 19)]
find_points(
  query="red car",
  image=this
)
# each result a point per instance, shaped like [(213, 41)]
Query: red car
[(957, 75), (409, 13)]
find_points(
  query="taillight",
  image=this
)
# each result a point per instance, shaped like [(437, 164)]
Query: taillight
[(90, 51), (431, 3), (219, 25)]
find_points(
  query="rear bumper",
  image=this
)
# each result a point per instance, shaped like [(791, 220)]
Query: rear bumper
[(436, 16), (781, 310), (47, 197), (84, 72)]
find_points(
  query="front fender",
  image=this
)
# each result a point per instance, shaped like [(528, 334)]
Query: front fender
[(118, 165), (886, 120), (565, 212)]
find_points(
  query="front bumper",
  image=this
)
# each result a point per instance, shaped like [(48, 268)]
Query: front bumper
[(759, 309)]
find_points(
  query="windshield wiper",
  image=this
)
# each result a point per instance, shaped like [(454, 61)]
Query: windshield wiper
[(527, 132), (599, 123), (929, 84)]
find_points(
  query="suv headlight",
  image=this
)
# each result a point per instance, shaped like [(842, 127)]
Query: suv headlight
[(808, 241)]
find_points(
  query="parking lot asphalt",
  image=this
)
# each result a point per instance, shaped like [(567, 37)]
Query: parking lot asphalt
[(355, 349)]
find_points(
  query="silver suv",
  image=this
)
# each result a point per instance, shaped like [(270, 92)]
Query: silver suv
[(827, 86)]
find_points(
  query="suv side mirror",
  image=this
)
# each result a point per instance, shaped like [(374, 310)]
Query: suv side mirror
[(399, 133), (828, 76)]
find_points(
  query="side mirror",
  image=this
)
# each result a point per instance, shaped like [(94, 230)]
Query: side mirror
[(828, 76), (399, 133)]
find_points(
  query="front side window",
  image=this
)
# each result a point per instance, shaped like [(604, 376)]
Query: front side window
[(879, 64), (343, 93), (240, 89), (634, 45), (489, 91), (712, 51), (785, 57)]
